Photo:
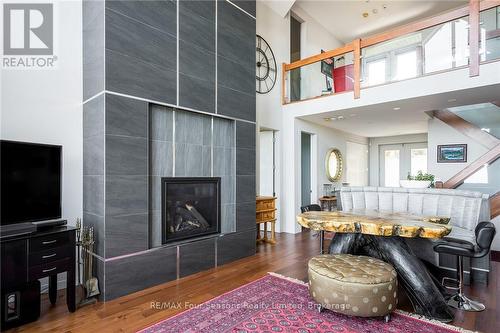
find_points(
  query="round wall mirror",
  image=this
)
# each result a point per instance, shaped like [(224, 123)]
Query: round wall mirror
[(333, 164)]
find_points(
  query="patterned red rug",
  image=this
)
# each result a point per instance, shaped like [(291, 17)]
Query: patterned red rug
[(278, 304)]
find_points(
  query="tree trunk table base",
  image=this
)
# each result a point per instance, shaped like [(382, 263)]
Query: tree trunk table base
[(381, 235), (423, 293)]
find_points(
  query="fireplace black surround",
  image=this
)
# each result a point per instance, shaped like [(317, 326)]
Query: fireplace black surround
[(191, 207)]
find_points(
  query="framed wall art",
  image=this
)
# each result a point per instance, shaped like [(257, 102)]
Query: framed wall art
[(456, 153)]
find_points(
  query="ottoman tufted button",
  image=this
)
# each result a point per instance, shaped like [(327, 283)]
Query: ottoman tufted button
[(360, 285)]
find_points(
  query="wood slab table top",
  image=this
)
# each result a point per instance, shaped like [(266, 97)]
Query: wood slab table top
[(378, 223)]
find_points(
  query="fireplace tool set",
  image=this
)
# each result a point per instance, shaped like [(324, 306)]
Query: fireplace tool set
[(85, 241)]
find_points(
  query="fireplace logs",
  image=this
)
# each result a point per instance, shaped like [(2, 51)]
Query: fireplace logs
[(191, 207), (188, 218)]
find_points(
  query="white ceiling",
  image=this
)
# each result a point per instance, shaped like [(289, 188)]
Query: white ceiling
[(344, 19), (382, 120)]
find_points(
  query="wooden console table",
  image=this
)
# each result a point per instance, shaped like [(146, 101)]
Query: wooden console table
[(266, 213)]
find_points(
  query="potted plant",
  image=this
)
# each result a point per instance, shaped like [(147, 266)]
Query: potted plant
[(420, 180)]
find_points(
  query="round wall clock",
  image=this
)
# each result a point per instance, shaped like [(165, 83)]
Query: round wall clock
[(265, 72)]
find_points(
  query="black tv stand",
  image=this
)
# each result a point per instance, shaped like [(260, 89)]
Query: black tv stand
[(17, 229), (42, 225), (27, 258)]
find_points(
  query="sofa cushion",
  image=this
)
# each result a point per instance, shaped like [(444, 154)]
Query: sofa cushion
[(462, 234)]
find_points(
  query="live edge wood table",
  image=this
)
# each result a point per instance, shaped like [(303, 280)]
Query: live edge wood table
[(381, 235)]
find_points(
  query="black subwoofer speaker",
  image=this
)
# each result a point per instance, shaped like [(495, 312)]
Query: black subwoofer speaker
[(21, 305)]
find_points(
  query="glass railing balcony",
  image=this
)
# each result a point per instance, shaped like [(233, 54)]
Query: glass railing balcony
[(435, 49), (441, 43), (325, 77), (485, 116), (489, 21)]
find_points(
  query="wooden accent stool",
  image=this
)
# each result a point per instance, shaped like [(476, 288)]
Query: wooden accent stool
[(266, 212)]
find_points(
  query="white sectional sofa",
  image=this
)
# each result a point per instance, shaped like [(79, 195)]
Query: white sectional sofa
[(465, 208)]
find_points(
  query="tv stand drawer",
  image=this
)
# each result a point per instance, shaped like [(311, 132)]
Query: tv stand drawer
[(50, 268), (50, 255), (50, 241)]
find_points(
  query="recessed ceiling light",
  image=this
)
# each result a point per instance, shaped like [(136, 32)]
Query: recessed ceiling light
[(396, 108), (327, 119), (452, 100), (340, 117)]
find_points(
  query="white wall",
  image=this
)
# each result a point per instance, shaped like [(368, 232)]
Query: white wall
[(323, 139), (356, 164), (314, 38), (442, 134), (266, 162), (46, 105), (275, 29), (265, 169), (375, 143)]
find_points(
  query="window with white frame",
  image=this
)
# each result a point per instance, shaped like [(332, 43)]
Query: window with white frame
[(376, 71)]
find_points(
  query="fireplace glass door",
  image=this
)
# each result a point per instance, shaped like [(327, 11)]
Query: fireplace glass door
[(190, 207)]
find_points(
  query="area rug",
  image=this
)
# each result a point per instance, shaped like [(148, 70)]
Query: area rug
[(275, 303)]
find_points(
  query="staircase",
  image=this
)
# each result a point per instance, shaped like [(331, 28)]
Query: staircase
[(472, 123)]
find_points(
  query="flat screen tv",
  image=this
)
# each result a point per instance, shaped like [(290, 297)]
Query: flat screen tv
[(30, 182)]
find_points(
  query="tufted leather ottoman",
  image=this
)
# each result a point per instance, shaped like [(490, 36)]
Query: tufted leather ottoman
[(353, 285)]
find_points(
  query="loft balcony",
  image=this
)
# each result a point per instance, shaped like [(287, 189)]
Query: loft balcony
[(437, 55)]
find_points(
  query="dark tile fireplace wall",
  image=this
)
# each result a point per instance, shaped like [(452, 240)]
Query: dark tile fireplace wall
[(203, 146), (195, 61)]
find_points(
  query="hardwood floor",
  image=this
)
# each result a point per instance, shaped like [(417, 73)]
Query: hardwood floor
[(288, 257)]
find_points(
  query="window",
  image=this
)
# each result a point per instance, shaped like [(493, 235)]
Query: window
[(461, 42), (295, 51), (393, 62), (406, 65), (418, 160), (438, 50), (391, 164), (376, 72)]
